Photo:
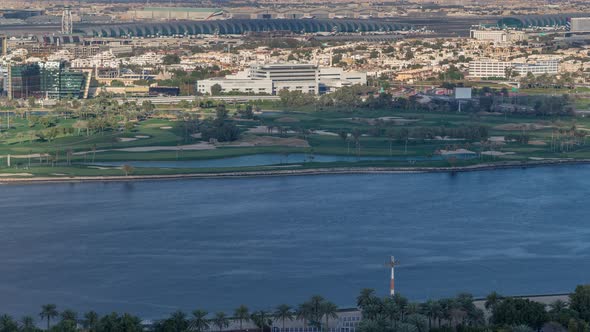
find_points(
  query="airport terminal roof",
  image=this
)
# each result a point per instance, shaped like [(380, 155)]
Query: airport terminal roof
[(240, 26), (531, 21)]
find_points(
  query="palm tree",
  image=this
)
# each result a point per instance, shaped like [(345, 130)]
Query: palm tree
[(492, 300), (69, 315), (48, 311), (431, 309), (221, 320), (316, 302), (178, 321), (261, 319), (391, 310), (303, 312), (402, 303), (27, 324), (7, 323), (127, 169), (90, 321), (199, 322), (329, 310), (356, 134), (557, 306), (242, 314), (284, 312), (344, 136), (391, 135), (366, 296)]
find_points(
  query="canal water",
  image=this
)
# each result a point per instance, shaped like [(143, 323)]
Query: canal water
[(150, 248)]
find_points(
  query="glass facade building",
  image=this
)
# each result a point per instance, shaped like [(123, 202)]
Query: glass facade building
[(48, 80)]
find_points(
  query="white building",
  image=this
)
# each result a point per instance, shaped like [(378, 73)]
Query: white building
[(246, 86), (101, 60), (146, 59), (488, 68), (333, 78), (580, 24), (498, 36), (307, 78), (491, 68)]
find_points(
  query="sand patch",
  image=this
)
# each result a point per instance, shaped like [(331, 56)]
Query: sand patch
[(258, 130), (34, 155), (99, 167), (6, 175), (269, 141), (497, 139), (126, 139), (484, 113), (447, 138), (454, 152), (189, 147), (521, 126), (287, 119), (537, 143), (539, 158), (325, 133), (497, 153)]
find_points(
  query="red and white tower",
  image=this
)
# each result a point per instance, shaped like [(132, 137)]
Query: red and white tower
[(392, 264)]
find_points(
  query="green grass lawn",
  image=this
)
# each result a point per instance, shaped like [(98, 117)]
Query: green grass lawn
[(17, 140)]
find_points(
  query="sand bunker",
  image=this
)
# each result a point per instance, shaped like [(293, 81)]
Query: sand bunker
[(6, 175), (166, 127), (126, 139), (497, 139), (189, 147), (521, 126), (287, 120), (537, 143), (142, 136), (452, 152), (497, 153), (325, 133)]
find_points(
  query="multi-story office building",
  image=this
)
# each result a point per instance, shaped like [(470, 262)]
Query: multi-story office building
[(272, 78), (24, 81), (48, 80), (58, 82)]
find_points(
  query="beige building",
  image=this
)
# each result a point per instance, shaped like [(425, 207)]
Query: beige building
[(498, 36), (175, 13)]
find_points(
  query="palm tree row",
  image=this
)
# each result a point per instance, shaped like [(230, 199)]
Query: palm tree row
[(316, 312), (389, 314)]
